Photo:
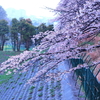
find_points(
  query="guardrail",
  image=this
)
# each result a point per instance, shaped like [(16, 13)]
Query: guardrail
[(89, 79)]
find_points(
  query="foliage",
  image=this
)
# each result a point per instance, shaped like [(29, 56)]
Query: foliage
[(27, 30), (40, 95), (77, 20), (32, 87), (41, 88), (50, 27), (4, 29), (42, 28), (15, 36)]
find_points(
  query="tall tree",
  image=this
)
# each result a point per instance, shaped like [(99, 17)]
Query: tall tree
[(27, 30), (15, 36), (4, 29), (50, 27), (42, 27)]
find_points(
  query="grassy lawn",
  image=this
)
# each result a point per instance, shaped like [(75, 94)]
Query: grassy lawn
[(4, 55), (4, 77), (9, 48)]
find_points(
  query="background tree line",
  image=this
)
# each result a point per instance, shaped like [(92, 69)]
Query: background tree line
[(19, 32)]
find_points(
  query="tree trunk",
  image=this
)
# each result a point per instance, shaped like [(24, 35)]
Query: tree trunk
[(18, 45), (14, 45), (27, 46), (3, 40), (2, 47)]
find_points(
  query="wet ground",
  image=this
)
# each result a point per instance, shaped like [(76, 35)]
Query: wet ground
[(53, 90)]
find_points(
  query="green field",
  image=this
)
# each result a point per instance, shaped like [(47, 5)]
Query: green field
[(4, 55), (9, 48), (4, 77)]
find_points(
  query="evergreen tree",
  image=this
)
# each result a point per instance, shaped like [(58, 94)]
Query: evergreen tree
[(4, 29), (42, 27), (27, 30), (15, 36), (50, 27)]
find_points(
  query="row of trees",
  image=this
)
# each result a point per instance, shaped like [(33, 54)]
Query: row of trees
[(4, 29), (20, 32), (78, 24)]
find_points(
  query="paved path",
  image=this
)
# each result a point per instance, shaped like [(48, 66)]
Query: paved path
[(68, 86)]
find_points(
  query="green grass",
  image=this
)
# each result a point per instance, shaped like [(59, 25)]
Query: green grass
[(4, 77), (44, 51), (40, 95), (98, 35), (9, 48), (4, 55), (41, 88), (32, 87), (86, 42)]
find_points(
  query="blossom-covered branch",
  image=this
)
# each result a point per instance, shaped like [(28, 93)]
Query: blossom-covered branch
[(78, 21)]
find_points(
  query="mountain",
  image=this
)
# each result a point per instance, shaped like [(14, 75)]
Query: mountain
[(13, 13)]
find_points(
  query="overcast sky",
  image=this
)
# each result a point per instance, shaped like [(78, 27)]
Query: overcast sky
[(32, 7)]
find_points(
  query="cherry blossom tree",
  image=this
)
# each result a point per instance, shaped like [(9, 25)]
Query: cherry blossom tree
[(78, 22)]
